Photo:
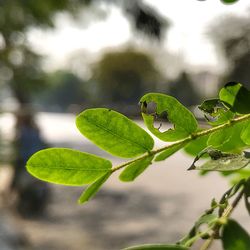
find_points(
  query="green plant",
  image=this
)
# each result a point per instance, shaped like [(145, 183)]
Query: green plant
[(224, 143)]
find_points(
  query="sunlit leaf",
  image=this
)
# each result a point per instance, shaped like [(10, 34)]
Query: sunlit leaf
[(245, 134), (228, 139), (114, 132), (234, 237), (168, 152), (93, 188), (197, 145), (182, 119), (66, 166), (157, 247), (133, 170), (236, 96)]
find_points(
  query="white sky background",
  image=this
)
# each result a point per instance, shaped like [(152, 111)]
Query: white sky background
[(187, 35)]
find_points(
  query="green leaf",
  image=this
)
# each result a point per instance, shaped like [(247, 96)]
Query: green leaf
[(245, 134), (66, 166), (229, 1), (114, 132), (183, 120), (226, 162), (228, 139), (236, 96), (157, 246), (135, 169), (168, 152), (215, 112), (196, 146), (91, 190), (234, 237)]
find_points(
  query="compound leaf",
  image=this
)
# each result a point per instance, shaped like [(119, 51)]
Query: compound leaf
[(157, 247), (66, 166), (91, 190), (182, 119), (114, 132), (235, 237), (135, 169)]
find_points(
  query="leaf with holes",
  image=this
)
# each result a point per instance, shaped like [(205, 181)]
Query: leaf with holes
[(133, 170), (225, 162), (93, 188), (66, 166), (114, 132), (215, 112), (234, 237), (182, 119)]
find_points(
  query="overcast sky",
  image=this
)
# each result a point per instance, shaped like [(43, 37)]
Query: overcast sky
[(187, 35)]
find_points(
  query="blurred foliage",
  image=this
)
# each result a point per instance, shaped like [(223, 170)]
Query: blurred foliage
[(124, 76), (63, 89), (184, 90), (232, 37), (19, 64)]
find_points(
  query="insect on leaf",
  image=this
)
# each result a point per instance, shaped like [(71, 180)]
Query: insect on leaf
[(114, 132), (66, 166)]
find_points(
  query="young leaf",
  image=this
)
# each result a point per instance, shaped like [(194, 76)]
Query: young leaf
[(228, 139), (183, 120), (245, 134), (114, 132), (234, 237), (226, 162), (168, 152), (91, 190), (196, 146), (66, 166), (236, 96), (157, 247), (133, 170)]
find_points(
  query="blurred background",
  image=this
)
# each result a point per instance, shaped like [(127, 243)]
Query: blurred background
[(58, 58)]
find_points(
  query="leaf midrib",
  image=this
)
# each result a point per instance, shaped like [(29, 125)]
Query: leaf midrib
[(116, 135)]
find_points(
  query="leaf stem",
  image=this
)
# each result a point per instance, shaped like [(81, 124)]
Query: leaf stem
[(226, 214), (185, 140)]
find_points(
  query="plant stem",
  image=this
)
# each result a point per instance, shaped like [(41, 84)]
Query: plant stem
[(185, 140), (226, 214)]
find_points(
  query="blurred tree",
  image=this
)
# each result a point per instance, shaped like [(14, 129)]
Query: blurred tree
[(124, 76), (183, 90), (64, 89), (232, 38), (20, 63)]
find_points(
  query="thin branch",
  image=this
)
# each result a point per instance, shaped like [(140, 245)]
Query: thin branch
[(185, 140)]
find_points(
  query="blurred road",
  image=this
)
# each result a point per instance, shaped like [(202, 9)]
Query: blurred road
[(160, 206)]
